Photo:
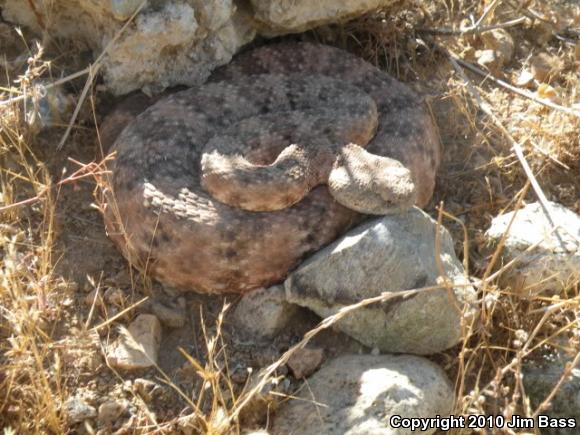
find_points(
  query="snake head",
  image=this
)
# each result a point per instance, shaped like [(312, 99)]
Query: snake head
[(371, 184)]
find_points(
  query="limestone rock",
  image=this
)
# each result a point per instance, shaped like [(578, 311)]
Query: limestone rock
[(173, 42), (264, 313), (388, 254), (293, 16), (553, 265), (357, 394), (138, 348), (170, 42)]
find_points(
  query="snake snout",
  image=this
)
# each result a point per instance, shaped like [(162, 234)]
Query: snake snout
[(396, 187)]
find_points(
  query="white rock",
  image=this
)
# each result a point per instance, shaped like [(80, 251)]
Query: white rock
[(388, 254), (166, 45), (174, 42), (291, 16), (263, 313), (356, 395), (78, 410), (554, 264), (138, 348)]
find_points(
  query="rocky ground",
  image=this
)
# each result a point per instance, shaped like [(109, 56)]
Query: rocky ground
[(88, 344)]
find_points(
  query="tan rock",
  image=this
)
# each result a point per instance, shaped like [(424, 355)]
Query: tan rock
[(304, 362), (501, 42), (138, 346), (291, 16), (110, 411)]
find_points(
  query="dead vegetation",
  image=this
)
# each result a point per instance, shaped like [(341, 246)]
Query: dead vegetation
[(509, 118)]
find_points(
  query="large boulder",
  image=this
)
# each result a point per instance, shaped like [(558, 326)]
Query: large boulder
[(173, 42), (358, 394), (388, 255)]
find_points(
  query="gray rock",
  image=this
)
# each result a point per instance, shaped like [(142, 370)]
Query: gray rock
[(357, 394), (78, 410), (551, 267), (388, 254), (540, 378), (304, 362), (174, 42), (264, 313), (138, 347)]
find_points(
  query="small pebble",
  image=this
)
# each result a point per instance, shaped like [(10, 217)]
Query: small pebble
[(304, 362), (78, 410), (110, 411), (140, 348)]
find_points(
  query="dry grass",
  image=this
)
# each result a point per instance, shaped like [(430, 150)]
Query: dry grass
[(31, 296), (482, 176)]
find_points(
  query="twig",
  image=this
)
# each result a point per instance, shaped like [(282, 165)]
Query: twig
[(486, 12), (48, 86), (93, 70), (516, 147), (90, 169), (119, 314), (569, 367), (472, 29), (530, 13), (548, 155), (471, 67)]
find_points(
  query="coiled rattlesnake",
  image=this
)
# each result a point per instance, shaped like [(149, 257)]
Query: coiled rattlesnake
[(219, 188)]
